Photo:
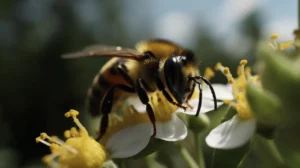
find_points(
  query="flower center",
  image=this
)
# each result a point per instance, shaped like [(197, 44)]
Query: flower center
[(125, 115), (78, 151), (239, 86)]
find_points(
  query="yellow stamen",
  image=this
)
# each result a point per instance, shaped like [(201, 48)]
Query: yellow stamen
[(285, 45), (73, 113), (248, 70), (243, 62), (218, 66), (208, 73), (227, 101), (272, 45), (79, 151), (274, 36), (239, 86), (48, 158), (231, 80), (281, 46), (55, 148), (43, 135), (67, 134), (74, 132), (54, 139), (40, 140)]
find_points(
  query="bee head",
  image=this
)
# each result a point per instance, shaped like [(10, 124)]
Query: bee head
[(176, 75)]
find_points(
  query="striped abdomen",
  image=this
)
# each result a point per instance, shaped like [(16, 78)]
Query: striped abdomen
[(103, 81)]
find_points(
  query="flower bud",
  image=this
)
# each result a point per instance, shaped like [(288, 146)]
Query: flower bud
[(198, 124), (280, 75), (265, 106)]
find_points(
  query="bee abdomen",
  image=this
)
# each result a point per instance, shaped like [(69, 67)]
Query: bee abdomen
[(95, 94)]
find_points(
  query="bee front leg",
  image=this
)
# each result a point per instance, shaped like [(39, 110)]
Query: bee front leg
[(161, 87), (141, 91)]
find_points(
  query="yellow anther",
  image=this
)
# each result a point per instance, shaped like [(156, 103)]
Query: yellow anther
[(38, 139), (218, 66), (54, 148), (53, 139), (71, 113), (243, 62), (74, 131), (208, 73), (248, 70), (274, 36), (227, 101), (285, 45), (47, 159), (67, 134), (231, 80), (43, 135), (226, 70)]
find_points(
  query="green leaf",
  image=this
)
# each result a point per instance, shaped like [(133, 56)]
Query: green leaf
[(170, 156), (263, 153), (229, 158), (288, 140)]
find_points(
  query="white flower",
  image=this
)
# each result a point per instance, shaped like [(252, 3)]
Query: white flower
[(238, 130), (223, 92), (169, 126)]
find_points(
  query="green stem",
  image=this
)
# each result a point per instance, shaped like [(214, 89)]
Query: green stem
[(199, 152), (275, 150), (187, 157), (123, 164)]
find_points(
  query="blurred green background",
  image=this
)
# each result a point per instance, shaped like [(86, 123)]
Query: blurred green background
[(37, 87)]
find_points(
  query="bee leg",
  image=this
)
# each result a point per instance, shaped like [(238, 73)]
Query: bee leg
[(141, 91), (161, 87), (107, 103), (210, 87)]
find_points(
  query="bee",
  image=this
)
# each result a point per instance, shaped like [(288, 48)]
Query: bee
[(155, 65)]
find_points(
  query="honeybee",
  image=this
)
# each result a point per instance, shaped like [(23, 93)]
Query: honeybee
[(154, 65)]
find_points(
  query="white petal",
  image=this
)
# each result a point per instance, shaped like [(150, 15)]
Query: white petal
[(137, 104), (173, 130), (223, 92), (207, 105), (231, 134), (129, 141)]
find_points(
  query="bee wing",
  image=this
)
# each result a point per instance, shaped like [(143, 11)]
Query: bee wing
[(104, 51)]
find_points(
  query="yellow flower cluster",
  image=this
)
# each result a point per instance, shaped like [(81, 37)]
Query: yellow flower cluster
[(239, 87), (78, 151)]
